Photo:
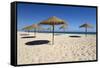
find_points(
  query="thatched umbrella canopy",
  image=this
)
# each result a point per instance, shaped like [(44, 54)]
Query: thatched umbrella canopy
[(27, 28), (86, 26), (52, 21), (50, 29), (63, 27), (33, 26)]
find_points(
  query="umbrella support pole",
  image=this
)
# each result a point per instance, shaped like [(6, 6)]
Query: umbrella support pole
[(53, 36), (35, 32), (86, 32)]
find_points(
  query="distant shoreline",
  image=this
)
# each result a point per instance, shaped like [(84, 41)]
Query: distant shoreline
[(62, 32)]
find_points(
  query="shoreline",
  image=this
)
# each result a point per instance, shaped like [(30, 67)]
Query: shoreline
[(62, 32)]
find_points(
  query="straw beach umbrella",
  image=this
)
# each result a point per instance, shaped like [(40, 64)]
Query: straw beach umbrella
[(33, 26), (50, 29), (27, 28), (63, 27), (86, 26), (52, 21)]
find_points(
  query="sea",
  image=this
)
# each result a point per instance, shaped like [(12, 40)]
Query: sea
[(63, 32)]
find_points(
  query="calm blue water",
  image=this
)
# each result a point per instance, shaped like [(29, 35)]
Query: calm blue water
[(72, 32), (65, 32)]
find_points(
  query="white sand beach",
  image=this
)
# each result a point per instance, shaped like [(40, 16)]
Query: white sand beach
[(65, 48)]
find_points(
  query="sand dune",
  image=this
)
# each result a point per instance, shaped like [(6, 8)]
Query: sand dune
[(65, 48)]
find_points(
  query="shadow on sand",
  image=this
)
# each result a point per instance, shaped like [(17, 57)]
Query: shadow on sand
[(37, 42), (75, 36), (29, 37)]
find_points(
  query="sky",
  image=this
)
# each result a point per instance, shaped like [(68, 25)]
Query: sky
[(28, 14)]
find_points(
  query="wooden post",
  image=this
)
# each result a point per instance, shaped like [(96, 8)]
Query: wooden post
[(53, 35), (86, 31), (34, 32)]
